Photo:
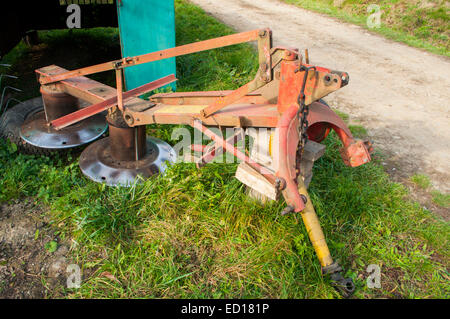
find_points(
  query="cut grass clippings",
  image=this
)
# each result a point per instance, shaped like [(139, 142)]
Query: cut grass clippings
[(195, 234)]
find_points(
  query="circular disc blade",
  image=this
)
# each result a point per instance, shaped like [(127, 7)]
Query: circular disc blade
[(97, 163), (36, 132)]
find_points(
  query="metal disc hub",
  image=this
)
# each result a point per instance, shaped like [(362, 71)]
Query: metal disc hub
[(99, 163)]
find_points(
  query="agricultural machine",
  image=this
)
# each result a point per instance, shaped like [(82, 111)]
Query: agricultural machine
[(285, 96)]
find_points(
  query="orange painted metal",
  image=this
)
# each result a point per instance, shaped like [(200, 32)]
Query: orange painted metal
[(57, 104), (204, 98), (272, 99), (288, 139), (355, 154), (234, 96), (225, 144), (119, 88), (209, 153), (321, 115), (245, 115), (80, 87), (291, 79), (88, 111), (238, 108)]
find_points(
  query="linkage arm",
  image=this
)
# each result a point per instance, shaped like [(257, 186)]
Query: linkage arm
[(159, 55)]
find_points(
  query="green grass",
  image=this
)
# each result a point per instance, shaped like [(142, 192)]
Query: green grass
[(195, 234), (418, 23), (423, 181), (358, 131), (440, 199)]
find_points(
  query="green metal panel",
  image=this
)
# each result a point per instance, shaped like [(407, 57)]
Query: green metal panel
[(146, 26)]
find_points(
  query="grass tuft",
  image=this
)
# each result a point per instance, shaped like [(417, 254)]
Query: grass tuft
[(423, 181), (440, 199)]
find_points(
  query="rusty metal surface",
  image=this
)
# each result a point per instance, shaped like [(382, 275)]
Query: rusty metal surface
[(252, 112), (245, 115), (210, 153), (98, 164), (196, 98), (106, 104), (355, 154), (252, 105), (127, 144), (321, 118), (80, 87), (233, 97), (283, 94), (57, 104), (320, 82), (288, 143), (264, 75), (230, 148), (36, 131)]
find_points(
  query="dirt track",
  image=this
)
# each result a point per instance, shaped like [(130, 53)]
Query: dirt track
[(399, 93)]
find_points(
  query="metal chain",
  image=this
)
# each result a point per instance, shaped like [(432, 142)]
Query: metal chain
[(304, 111)]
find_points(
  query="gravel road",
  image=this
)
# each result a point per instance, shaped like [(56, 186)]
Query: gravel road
[(400, 94)]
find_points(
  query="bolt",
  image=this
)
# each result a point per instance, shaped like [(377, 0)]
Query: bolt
[(288, 209), (304, 198), (129, 119), (280, 184)]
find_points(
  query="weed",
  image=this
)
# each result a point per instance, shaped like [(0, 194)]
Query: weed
[(423, 181), (358, 130), (51, 246), (440, 199), (344, 116)]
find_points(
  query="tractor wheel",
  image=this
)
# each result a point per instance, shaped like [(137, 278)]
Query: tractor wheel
[(13, 119)]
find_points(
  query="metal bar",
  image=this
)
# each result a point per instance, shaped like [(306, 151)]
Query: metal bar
[(81, 87), (158, 55), (257, 115), (264, 55), (221, 102), (263, 77), (204, 98), (214, 149), (313, 228), (119, 88), (233, 150), (104, 105)]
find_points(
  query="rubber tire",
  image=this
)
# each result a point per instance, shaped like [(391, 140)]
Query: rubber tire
[(13, 119)]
